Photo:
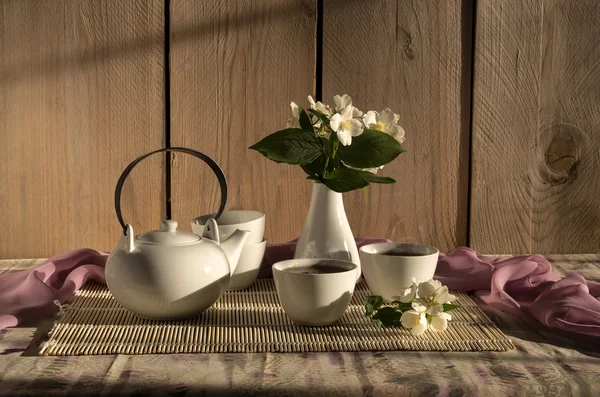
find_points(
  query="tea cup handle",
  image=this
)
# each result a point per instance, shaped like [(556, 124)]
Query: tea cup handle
[(210, 162)]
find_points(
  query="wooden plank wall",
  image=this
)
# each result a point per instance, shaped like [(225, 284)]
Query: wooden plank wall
[(82, 94), (414, 57), (235, 67), (536, 127)]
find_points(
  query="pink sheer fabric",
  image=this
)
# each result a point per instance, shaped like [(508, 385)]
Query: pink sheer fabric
[(31, 293), (525, 286)]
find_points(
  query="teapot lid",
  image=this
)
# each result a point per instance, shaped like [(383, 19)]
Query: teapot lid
[(168, 235)]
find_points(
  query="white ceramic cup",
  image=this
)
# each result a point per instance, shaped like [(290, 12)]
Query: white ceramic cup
[(230, 221), (248, 266), (388, 275), (314, 299)]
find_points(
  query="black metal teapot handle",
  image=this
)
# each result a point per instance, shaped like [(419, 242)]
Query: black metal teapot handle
[(211, 163)]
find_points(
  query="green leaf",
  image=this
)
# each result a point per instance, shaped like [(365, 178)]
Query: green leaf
[(324, 119), (370, 149), (388, 316), (334, 141), (450, 306), (375, 300), (326, 146), (334, 163), (372, 178), (344, 180), (291, 146), (368, 309), (365, 191), (305, 123), (314, 169), (404, 306), (377, 323)]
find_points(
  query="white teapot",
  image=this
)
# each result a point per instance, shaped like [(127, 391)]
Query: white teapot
[(169, 274)]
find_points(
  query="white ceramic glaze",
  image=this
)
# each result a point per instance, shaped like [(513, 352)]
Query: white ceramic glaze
[(388, 275), (314, 299), (326, 232), (248, 266), (169, 274), (230, 221)]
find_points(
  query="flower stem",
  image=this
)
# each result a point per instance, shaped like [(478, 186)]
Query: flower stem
[(325, 169), (333, 153)]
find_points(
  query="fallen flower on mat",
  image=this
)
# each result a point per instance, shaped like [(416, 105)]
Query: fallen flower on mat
[(420, 307)]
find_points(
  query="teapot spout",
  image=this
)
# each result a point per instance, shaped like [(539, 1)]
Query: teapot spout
[(233, 246)]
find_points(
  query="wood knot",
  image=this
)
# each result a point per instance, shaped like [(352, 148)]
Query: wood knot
[(407, 46), (562, 145)]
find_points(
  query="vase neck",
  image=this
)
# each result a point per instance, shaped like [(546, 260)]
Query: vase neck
[(322, 195), (323, 189)]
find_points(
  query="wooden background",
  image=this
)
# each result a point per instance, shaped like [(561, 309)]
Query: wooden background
[(536, 127), (499, 100)]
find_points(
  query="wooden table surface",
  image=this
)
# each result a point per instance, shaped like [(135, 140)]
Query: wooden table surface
[(544, 363)]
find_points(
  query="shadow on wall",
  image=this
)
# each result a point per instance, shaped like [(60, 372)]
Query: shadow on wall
[(12, 73)]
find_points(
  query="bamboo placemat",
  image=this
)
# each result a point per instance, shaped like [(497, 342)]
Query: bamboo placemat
[(253, 321)]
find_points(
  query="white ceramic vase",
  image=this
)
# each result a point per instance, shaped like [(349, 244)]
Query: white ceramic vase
[(326, 232)]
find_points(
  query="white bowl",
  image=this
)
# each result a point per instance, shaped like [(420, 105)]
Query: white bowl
[(388, 275), (248, 266), (230, 221), (314, 299)]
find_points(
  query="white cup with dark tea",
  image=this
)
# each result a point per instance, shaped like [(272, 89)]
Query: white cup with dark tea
[(389, 268), (315, 292)]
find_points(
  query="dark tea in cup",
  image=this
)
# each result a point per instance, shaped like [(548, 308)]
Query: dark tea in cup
[(317, 268), (400, 253)]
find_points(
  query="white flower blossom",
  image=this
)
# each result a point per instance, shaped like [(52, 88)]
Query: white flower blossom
[(342, 102), (426, 311), (409, 294), (294, 120), (373, 170), (319, 106), (386, 121), (432, 295), (346, 126), (415, 321), (439, 322)]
